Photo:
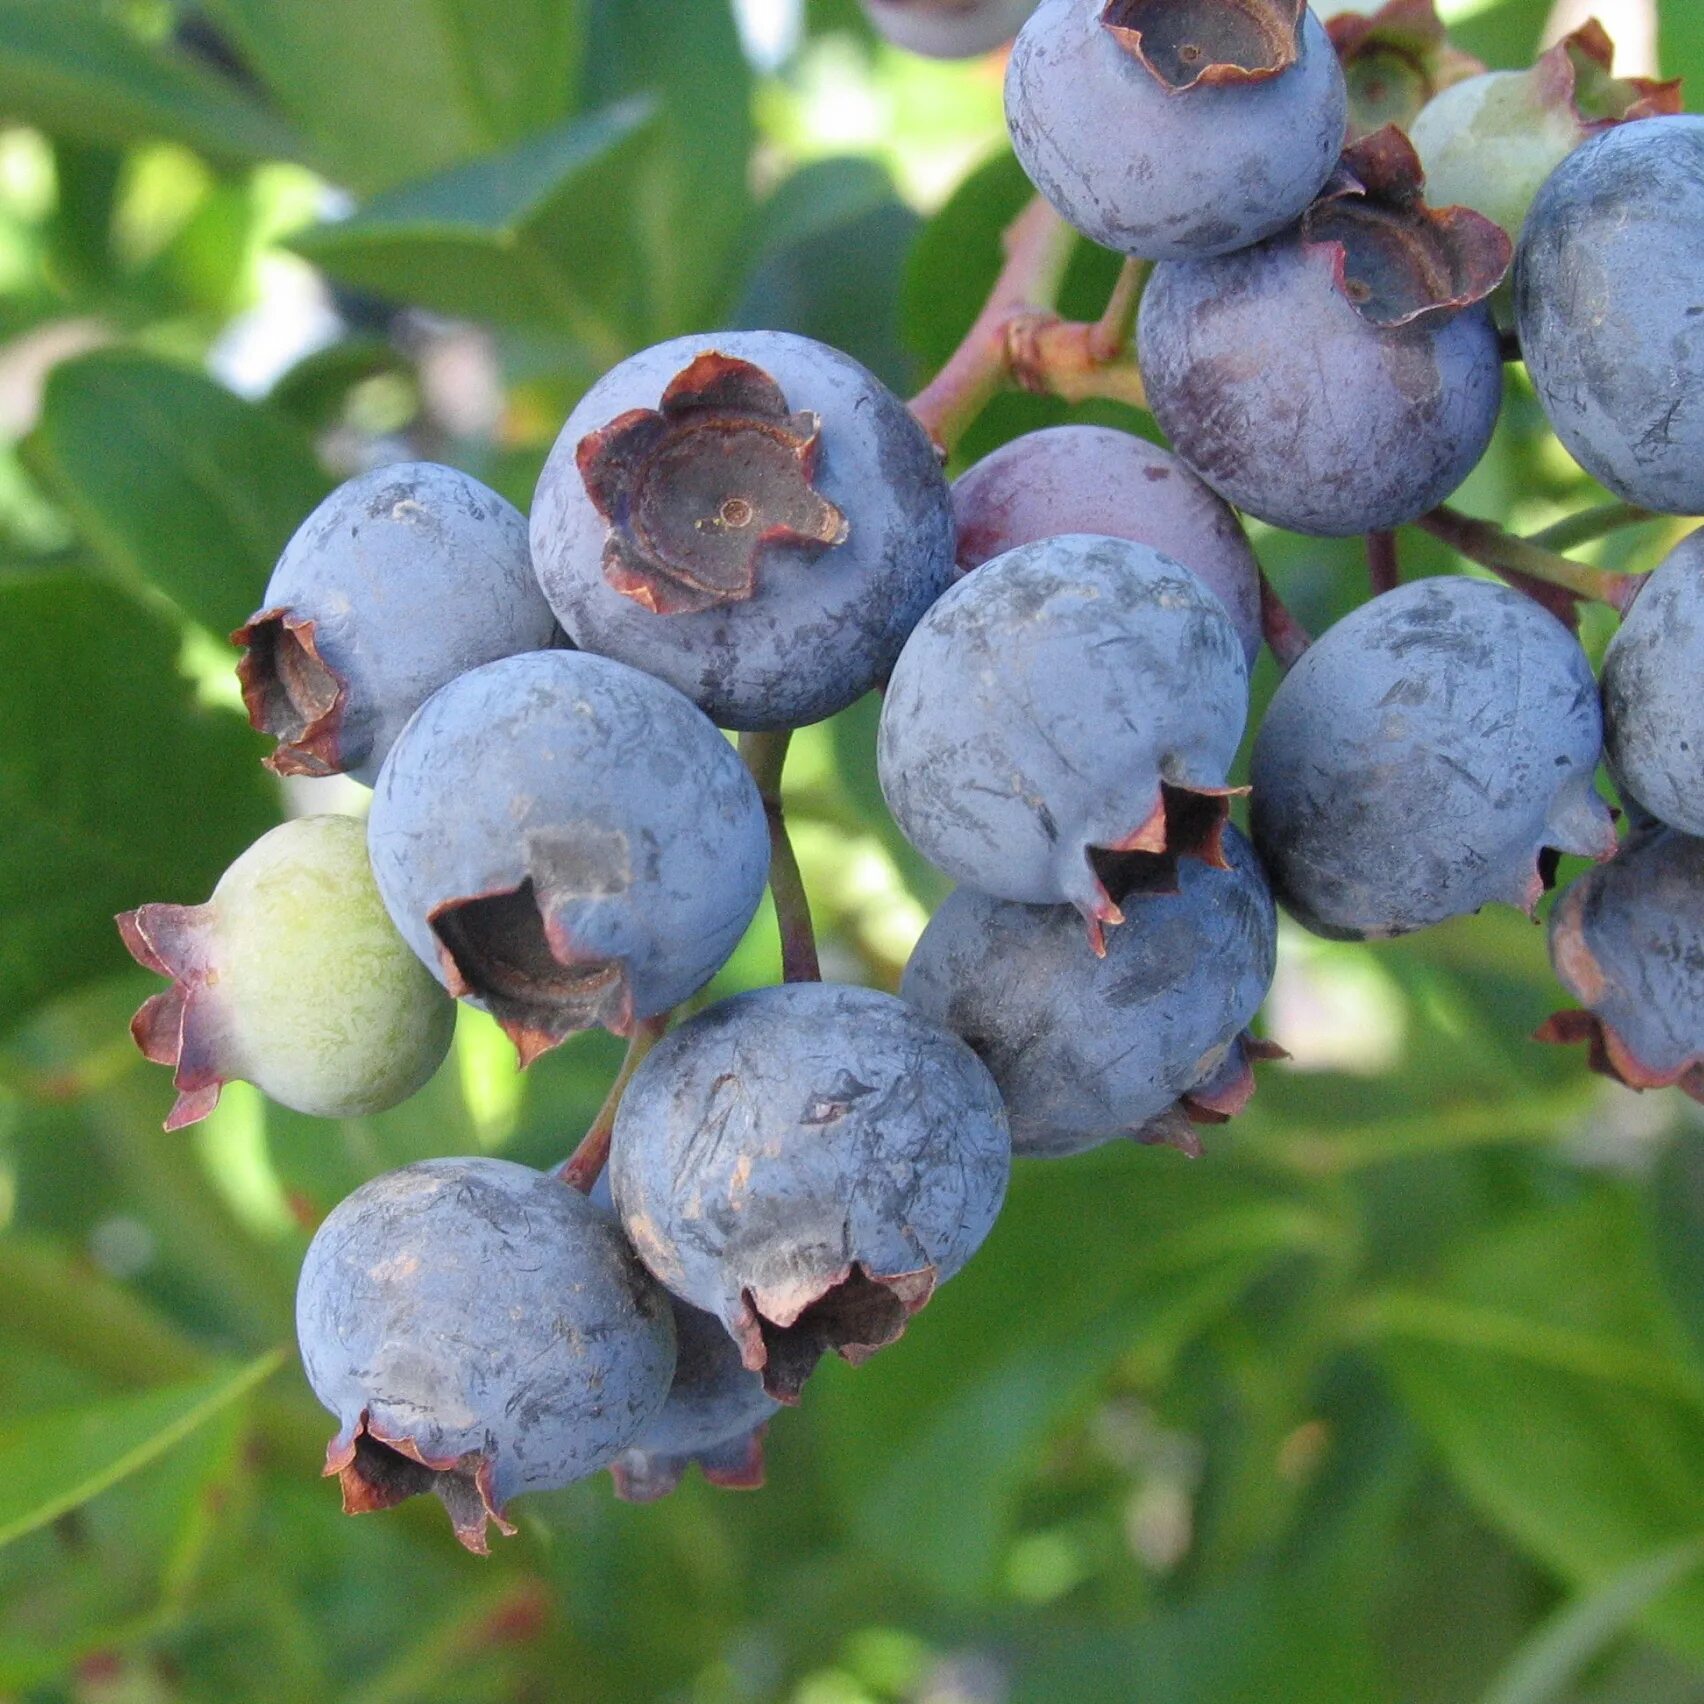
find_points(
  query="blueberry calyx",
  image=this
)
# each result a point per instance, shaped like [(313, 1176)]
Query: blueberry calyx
[(1189, 44), (644, 1476), (1395, 60), (784, 1330), (292, 693), (697, 490), (509, 950), (175, 1027), (1186, 822), (1397, 261), (1577, 76), (377, 1471)]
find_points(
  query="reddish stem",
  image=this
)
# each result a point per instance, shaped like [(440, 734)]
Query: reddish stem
[(585, 1165), (1285, 635), (1384, 565), (766, 757), (1522, 563)]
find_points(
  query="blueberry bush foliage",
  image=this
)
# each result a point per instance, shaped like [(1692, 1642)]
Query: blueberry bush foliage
[(1395, 1396)]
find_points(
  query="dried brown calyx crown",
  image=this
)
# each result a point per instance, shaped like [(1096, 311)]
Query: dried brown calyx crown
[(292, 693), (1188, 44), (1399, 261), (699, 489), (1394, 61), (1578, 75)]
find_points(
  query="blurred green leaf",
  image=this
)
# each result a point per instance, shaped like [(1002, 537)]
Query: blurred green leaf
[(77, 74), (173, 480), (1549, 1372), (1677, 1203), (388, 90), (502, 239), (52, 1463), (1560, 1651), (114, 788)]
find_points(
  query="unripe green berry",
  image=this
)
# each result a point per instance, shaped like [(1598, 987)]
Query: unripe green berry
[(291, 977)]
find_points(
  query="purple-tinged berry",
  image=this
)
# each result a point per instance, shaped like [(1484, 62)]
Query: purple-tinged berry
[(1653, 710), (1627, 941), (1094, 479), (1607, 305), (399, 581), (1069, 702), (479, 1329), (808, 1163), (948, 29), (1344, 377), (1175, 129), (1147, 1043), (752, 517), (568, 842), (716, 1414), (1430, 754), (291, 977)]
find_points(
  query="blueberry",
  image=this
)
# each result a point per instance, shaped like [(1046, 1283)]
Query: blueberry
[(1092, 479), (398, 582), (1176, 129), (479, 1329), (948, 29), (1429, 755), (1627, 941), (1490, 141), (1607, 303), (1143, 1043), (569, 842), (808, 1163), (752, 517), (1344, 377), (1070, 701), (293, 978), (716, 1413), (1653, 715)]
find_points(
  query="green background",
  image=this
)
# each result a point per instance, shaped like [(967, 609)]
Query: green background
[(1395, 1398)]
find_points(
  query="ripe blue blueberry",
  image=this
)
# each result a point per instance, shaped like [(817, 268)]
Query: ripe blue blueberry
[(293, 978), (1145, 1043), (1432, 753), (1344, 377), (1093, 479), (1627, 941), (399, 581), (1653, 713), (1607, 305), (1069, 702), (752, 517), (807, 1163), (716, 1413), (1176, 129), (948, 29), (479, 1329), (569, 842)]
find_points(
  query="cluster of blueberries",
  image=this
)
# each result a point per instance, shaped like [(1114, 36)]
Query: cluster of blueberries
[(747, 532)]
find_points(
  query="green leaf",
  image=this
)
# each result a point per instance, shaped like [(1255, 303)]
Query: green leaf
[(173, 480), (1555, 1656), (390, 89), (115, 788), (1677, 1197), (1551, 1375), (55, 1462), (504, 238), (75, 73)]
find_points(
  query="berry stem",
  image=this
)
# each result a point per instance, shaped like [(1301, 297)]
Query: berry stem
[(1285, 635), (1019, 339), (1384, 565), (766, 757), (1519, 559), (1590, 525), (585, 1165)]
